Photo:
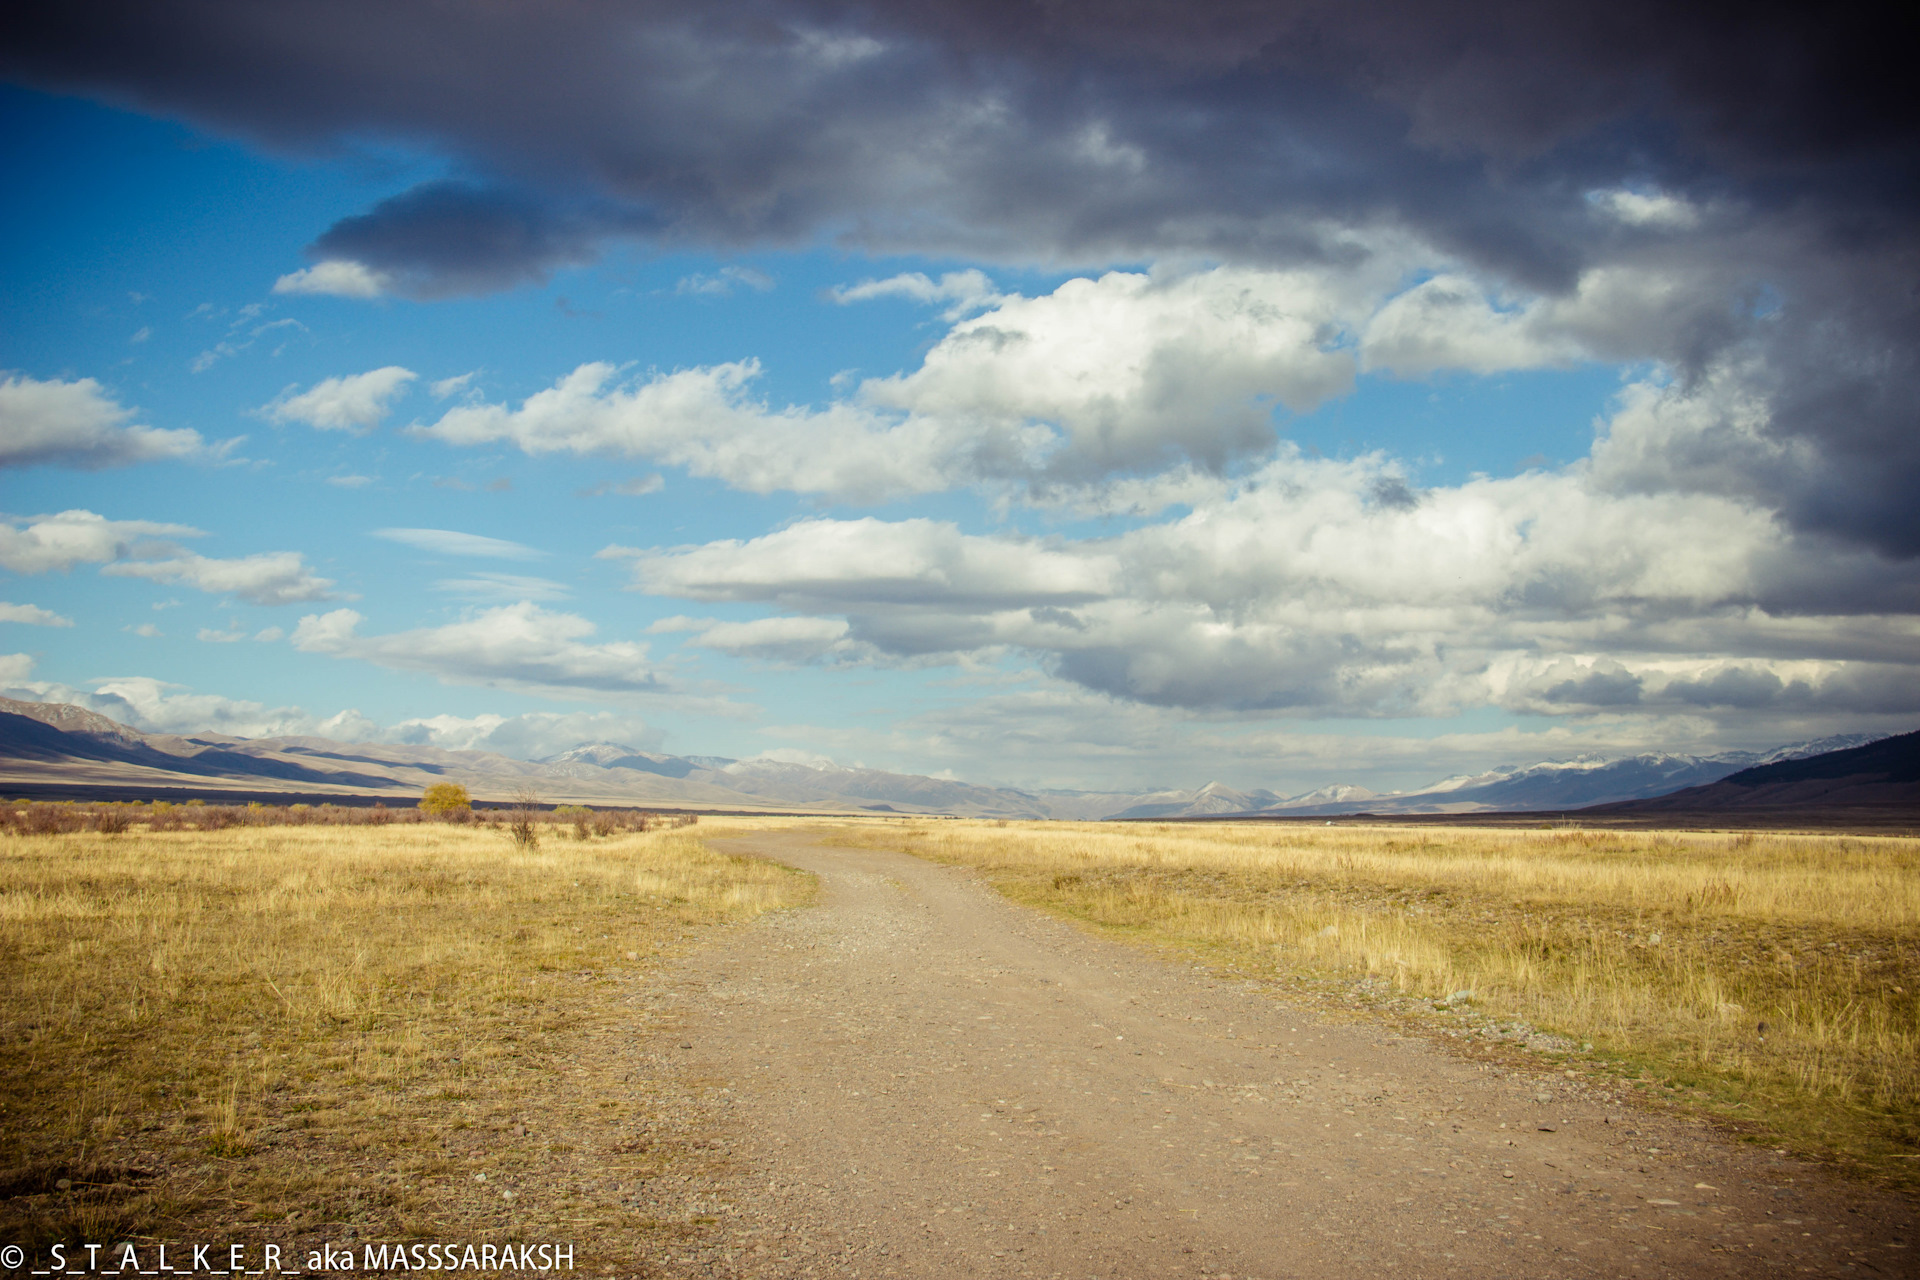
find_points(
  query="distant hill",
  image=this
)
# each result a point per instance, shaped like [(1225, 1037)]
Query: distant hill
[(1883, 774), (56, 748)]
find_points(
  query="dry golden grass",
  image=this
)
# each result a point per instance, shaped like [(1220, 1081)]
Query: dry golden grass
[(305, 1033), (1770, 979)]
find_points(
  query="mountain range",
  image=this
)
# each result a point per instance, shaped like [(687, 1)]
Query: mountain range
[(53, 748)]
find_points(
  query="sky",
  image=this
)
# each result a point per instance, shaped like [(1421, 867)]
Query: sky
[(1282, 394)]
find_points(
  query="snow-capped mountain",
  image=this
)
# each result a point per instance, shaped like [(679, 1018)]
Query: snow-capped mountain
[(58, 749)]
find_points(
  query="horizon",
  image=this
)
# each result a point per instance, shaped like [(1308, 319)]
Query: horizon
[(1505, 770), (836, 389)]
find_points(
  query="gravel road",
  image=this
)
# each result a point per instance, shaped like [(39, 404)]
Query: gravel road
[(918, 1078)]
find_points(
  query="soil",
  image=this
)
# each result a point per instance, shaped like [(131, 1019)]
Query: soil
[(915, 1077)]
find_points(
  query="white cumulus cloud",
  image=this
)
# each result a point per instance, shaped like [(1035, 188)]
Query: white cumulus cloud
[(270, 578), (78, 424), (33, 615), (43, 544), (352, 402), (338, 278), (1333, 588), (514, 646)]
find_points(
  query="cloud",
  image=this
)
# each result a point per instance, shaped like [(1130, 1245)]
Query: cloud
[(966, 290), (446, 388), (77, 424), (1763, 169), (842, 562), (449, 238), (356, 402), (337, 278), (32, 615), (529, 736), (58, 542), (1305, 590), (790, 640), (723, 282), (704, 420), (156, 706), (350, 482), (235, 342), (1126, 373), (633, 487), (1129, 372), (447, 542), (211, 636), (270, 578), (518, 646), (504, 588)]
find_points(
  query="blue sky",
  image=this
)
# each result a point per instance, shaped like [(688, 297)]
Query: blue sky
[(377, 428)]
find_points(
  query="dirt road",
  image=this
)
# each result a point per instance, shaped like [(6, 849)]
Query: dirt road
[(918, 1078)]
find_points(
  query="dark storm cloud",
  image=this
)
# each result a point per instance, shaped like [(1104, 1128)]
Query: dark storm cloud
[(445, 238), (1037, 129), (1095, 134)]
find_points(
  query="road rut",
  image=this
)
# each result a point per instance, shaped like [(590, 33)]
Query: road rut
[(918, 1078)]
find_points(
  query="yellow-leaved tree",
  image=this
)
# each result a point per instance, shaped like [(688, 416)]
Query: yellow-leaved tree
[(446, 797)]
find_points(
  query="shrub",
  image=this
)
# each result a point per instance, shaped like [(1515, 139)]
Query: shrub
[(446, 799), (581, 817), (51, 819), (523, 820)]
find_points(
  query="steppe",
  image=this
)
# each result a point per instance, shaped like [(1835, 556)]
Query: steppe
[(761, 1047)]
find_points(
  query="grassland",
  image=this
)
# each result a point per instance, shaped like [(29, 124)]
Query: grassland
[(374, 1033), (1769, 980)]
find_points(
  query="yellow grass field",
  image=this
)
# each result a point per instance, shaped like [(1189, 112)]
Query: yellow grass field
[(1771, 980), (300, 1033)]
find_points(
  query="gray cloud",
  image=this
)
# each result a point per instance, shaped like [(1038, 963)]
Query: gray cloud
[(1763, 157), (446, 238)]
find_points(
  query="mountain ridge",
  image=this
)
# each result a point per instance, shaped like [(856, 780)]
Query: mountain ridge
[(61, 744)]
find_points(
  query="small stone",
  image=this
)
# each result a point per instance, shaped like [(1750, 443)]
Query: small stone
[(65, 1184), (686, 1046), (1545, 1128), (1543, 1097)]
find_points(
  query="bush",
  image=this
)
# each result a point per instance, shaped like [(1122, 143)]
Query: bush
[(581, 817), (51, 819), (447, 799), (523, 820)]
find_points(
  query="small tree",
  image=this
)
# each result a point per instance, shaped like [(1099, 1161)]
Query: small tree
[(445, 799)]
